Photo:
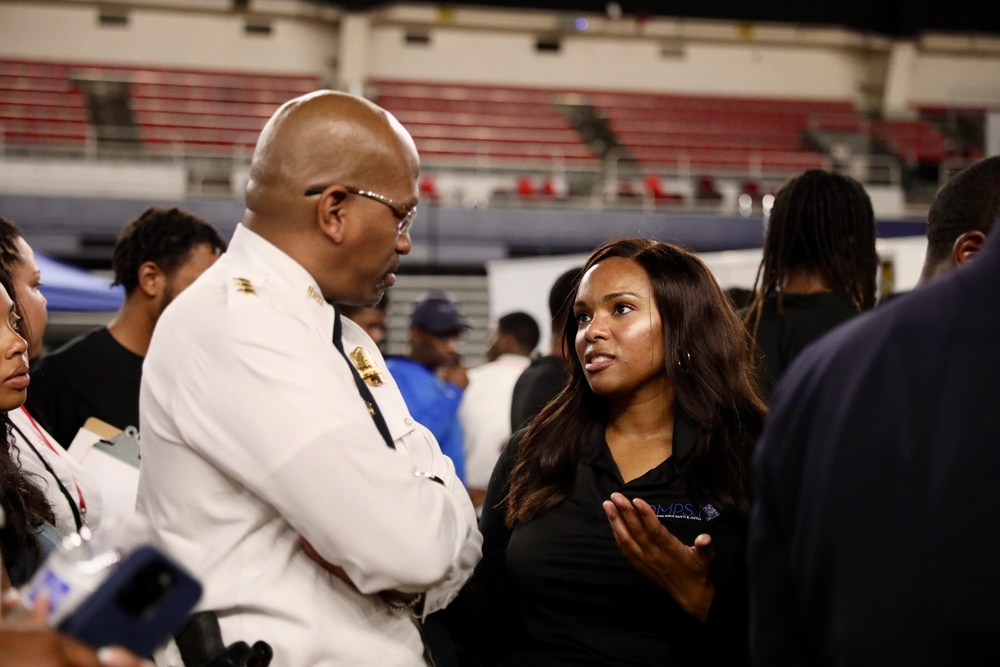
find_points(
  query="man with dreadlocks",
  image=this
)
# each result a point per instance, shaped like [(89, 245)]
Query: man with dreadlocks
[(157, 256), (818, 268)]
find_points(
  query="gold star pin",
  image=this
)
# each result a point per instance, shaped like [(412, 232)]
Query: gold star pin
[(244, 286), (369, 372)]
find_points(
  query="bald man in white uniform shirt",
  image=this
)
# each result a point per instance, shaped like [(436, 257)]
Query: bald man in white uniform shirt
[(318, 515)]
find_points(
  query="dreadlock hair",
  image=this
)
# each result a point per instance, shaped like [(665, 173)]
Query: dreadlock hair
[(968, 202), (714, 386), (164, 236), (821, 223), (24, 504)]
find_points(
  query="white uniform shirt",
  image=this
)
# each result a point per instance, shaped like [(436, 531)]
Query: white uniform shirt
[(254, 434), (485, 414), (65, 482)]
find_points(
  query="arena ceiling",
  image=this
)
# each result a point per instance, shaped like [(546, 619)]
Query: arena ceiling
[(901, 18)]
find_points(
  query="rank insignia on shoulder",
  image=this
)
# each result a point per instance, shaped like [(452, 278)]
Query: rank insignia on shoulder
[(369, 372), (244, 286), (314, 295)]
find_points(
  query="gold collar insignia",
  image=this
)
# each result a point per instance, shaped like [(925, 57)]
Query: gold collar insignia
[(314, 295), (244, 286), (370, 373)]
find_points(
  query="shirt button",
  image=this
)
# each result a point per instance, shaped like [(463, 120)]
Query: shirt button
[(408, 421)]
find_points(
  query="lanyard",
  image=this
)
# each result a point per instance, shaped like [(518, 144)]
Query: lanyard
[(48, 443)]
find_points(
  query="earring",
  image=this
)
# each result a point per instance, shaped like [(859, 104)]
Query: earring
[(685, 368)]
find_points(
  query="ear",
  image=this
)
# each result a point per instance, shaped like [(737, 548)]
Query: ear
[(330, 213), (505, 343), (152, 279), (966, 246)]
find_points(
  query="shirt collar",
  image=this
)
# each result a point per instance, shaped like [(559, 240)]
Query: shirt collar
[(297, 288), (685, 440)]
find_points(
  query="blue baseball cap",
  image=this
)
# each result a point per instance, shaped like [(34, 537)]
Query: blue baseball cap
[(438, 314)]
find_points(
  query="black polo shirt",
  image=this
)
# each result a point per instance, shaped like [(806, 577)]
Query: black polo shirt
[(565, 593)]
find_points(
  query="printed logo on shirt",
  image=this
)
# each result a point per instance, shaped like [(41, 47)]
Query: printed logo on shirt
[(678, 510), (685, 510), (709, 512)]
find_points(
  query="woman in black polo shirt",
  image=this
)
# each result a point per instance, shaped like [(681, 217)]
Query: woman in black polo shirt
[(614, 526)]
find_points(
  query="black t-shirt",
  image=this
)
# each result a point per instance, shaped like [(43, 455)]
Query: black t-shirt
[(782, 336), (90, 376), (537, 385), (557, 591)]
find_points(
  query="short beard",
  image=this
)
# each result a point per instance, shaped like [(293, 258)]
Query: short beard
[(168, 296)]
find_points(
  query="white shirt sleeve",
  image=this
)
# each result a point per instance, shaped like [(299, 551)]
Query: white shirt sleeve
[(273, 405)]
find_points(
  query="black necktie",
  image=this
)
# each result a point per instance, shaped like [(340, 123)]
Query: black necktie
[(366, 394)]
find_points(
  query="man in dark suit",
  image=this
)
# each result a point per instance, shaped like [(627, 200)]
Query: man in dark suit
[(873, 536)]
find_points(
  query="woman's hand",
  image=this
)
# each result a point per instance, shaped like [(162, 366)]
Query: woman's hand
[(680, 570)]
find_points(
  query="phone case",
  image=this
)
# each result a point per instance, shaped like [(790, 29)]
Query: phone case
[(139, 606)]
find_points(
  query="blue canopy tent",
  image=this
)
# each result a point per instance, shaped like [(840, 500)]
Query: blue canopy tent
[(68, 288)]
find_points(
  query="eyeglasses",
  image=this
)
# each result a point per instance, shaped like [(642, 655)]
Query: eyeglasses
[(404, 214)]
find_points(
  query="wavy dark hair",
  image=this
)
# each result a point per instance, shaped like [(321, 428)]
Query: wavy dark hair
[(24, 504), (822, 223), (714, 386)]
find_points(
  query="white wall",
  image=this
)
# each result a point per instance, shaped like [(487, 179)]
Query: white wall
[(474, 56), (959, 80), (523, 284), (491, 46), (65, 178), (298, 45)]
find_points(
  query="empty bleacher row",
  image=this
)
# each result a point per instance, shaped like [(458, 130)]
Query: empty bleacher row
[(533, 130), (658, 131), (47, 103)]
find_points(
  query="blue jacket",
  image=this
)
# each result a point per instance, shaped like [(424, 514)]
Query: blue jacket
[(434, 403)]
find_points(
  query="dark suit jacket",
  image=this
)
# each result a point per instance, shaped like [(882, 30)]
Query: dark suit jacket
[(875, 530)]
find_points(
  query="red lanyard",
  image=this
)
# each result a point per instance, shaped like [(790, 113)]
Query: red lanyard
[(41, 434)]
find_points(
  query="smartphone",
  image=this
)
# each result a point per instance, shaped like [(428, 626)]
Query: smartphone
[(139, 606)]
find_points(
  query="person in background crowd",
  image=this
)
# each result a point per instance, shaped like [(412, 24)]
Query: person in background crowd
[(871, 538), (547, 375), (614, 525), (962, 214), (818, 269), (431, 378), (369, 318), (70, 490), (485, 409), (279, 461), (157, 256)]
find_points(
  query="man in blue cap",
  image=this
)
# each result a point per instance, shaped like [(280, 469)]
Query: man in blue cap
[(430, 378)]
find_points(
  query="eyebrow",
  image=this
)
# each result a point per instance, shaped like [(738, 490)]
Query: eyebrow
[(610, 297)]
